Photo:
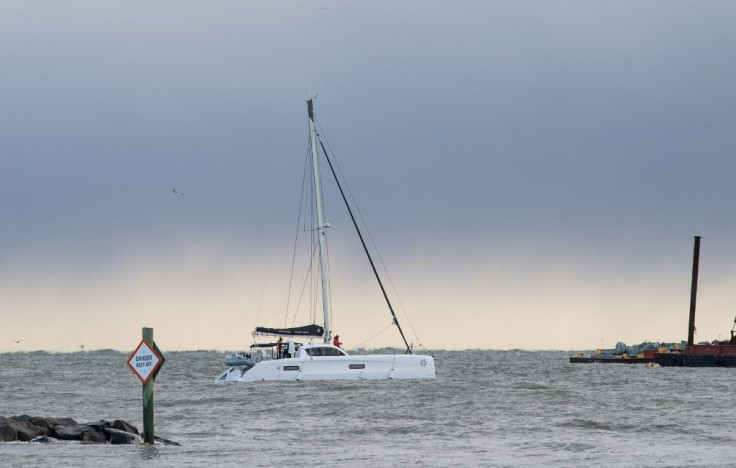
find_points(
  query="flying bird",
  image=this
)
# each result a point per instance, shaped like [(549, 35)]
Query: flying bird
[(16, 341), (176, 193)]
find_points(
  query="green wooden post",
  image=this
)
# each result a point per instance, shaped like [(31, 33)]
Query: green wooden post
[(148, 397)]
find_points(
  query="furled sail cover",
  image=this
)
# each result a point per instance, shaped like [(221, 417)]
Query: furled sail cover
[(307, 330)]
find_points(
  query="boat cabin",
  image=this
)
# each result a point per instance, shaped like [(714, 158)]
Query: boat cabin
[(302, 350)]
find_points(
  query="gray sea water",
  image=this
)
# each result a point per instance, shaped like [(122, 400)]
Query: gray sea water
[(486, 408)]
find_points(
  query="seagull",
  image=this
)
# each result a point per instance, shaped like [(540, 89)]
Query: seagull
[(16, 341), (176, 193)]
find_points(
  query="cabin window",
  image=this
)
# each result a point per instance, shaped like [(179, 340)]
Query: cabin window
[(324, 351), (331, 352), (357, 366), (291, 368)]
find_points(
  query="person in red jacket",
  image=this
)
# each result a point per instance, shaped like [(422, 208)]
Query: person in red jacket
[(336, 341), (279, 348)]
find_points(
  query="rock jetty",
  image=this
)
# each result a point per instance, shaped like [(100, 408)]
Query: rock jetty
[(26, 428)]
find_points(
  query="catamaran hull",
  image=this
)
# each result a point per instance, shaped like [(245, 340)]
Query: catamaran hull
[(370, 367)]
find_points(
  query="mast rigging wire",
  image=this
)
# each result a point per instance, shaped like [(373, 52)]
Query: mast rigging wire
[(369, 339)]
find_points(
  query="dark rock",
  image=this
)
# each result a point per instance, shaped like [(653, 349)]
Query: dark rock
[(77, 432), (71, 432), (60, 421), (99, 426), (124, 426), (50, 423), (163, 441), (46, 423), (117, 437), (49, 430), (25, 429), (45, 440), (8, 433), (94, 437), (22, 417)]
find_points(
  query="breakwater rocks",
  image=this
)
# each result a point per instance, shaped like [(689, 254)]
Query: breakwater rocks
[(26, 428)]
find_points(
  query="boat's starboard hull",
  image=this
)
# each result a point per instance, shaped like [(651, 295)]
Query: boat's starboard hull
[(368, 367)]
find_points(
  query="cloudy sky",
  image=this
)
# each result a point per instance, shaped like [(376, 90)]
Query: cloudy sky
[(532, 172)]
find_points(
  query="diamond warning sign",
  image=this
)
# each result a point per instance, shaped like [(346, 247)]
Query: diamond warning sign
[(144, 361)]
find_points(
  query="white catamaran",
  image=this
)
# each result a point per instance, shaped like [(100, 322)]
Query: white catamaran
[(304, 360)]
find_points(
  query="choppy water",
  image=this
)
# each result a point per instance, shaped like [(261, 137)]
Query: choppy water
[(486, 408)]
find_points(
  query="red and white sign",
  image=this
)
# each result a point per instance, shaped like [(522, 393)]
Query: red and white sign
[(144, 361)]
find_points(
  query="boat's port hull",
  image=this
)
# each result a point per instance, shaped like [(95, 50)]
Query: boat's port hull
[(369, 367)]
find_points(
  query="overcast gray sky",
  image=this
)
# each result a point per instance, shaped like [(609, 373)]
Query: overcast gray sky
[(531, 170)]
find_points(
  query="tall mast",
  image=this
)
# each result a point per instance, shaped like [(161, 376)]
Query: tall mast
[(321, 226)]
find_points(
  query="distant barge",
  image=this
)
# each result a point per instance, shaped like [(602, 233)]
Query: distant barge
[(647, 357), (718, 354)]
